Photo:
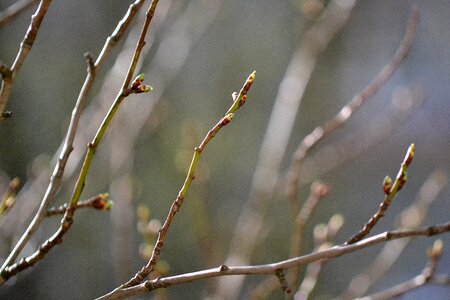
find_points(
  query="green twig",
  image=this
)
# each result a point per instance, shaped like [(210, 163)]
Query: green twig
[(66, 222), (239, 100), (390, 190), (58, 171)]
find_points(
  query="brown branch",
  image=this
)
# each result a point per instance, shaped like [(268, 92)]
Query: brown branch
[(127, 88), (426, 276), (276, 138), (11, 12), (348, 110), (99, 202), (390, 190), (165, 282), (25, 48), (411, 217), (239, 100), (56, 178)]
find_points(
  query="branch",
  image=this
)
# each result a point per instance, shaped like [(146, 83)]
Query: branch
[(347, 111), (58, 171), (66, 222), (165, 282), (25, 48), (317, 192), (411, 217), (99, 202), (13, 10), (390, 190), (323, 238), (239, 100), (276, 138), (426, 276)]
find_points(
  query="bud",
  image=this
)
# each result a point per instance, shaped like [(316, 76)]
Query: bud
[(138, 80), (387, 184)]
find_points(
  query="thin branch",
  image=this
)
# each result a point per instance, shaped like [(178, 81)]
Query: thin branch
[(56, 178), (390, 190), (276, 138), (99, 202), (66, 222), (8, 14), (411, 217), (347, 111), (239, 100), (25, 48), (165, 282), (426, 276), (317, 192), (323, 238)]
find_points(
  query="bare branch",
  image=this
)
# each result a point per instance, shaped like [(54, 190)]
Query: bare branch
[(347, 111), (317, 192), (25, 48), (58, 171), (426, 276), (411, 217), (390, 190), (165, 282), (239, 100), (126, 89), (276, 138)]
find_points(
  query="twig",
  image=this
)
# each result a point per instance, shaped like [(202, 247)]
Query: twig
[(426, 276), (276, 138), (99, 202), (318, 191), (390, 190), (126, 89), (323, 237), (56, 178), (13, 10), (410, 217), (239, 100), (165, 282), (9, 197), (25, 48), (404, 101), (347, 111)]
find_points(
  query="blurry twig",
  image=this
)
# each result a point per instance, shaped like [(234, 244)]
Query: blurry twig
[(9, 197), (390, 189), (224, 270), (278, 132), (345, 113), (128, 87), (239, 100), (56, 178), (25, 48), (405, 100), (426, 276), (410, 217), (318, 191), (323, 237), (12, 11), (99, 202)]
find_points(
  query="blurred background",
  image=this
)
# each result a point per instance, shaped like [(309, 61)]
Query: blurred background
[(198, 52)]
